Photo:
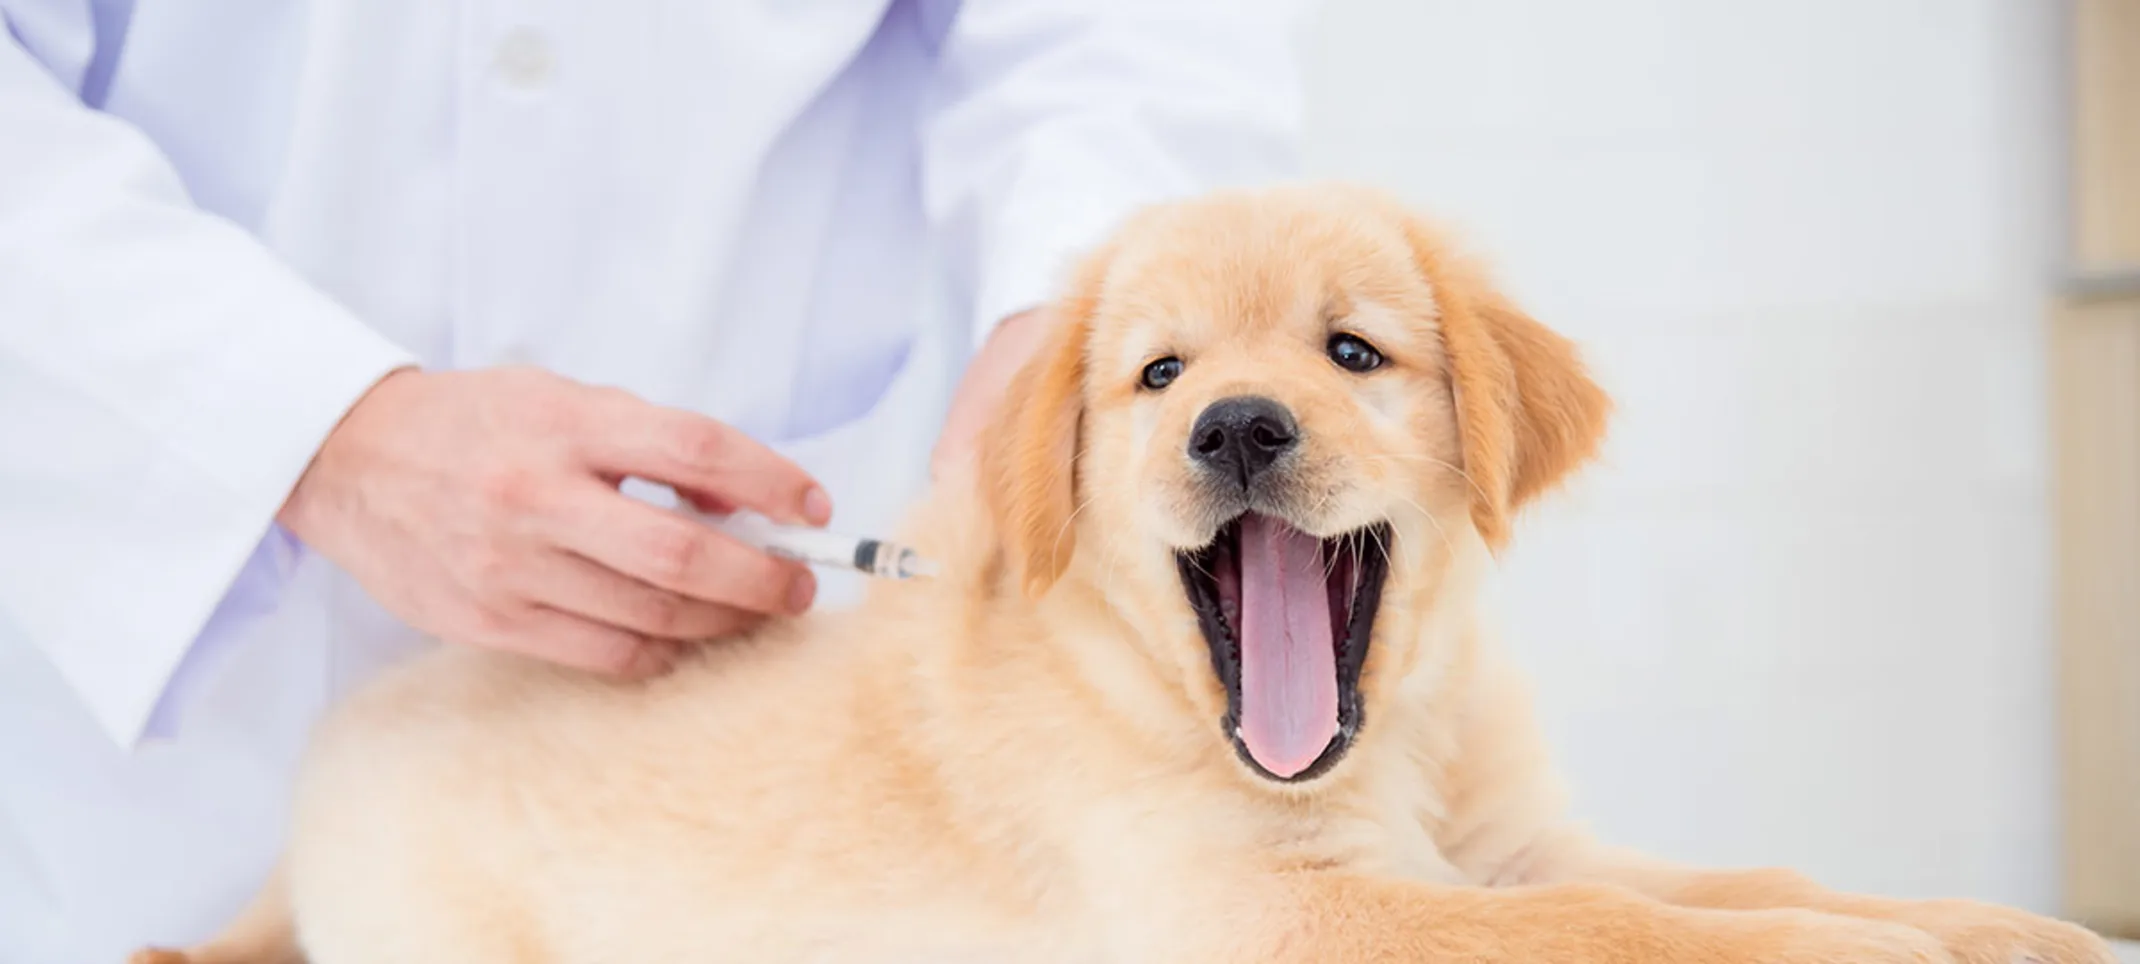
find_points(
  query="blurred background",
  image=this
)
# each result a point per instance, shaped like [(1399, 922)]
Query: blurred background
[(1856, 587)]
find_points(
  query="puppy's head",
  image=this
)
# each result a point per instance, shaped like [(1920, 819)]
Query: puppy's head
[(1266, 429)]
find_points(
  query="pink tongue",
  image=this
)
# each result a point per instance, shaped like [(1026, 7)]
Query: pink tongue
[(1288, 665)]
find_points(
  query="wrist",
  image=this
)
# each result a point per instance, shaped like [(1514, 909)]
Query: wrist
[(310, 504)]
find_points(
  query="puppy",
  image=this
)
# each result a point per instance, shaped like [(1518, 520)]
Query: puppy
[(1202, 682)]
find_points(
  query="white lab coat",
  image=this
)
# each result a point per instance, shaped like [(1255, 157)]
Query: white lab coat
[(222, 220)]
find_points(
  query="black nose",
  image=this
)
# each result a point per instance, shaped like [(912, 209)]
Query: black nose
[(1240, 437)]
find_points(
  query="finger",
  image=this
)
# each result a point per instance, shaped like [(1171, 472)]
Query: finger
[(581, 587), (706, 502), (578, 643), (691, 452), (670, 551)]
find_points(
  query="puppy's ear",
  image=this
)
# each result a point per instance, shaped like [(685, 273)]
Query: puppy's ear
[(1527, 410), (1029, 453)]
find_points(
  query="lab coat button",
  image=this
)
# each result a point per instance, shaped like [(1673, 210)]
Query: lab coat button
[(524, 59)]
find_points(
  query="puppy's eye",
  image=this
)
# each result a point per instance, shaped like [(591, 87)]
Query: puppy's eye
[(1161, 373), (1353, 353)]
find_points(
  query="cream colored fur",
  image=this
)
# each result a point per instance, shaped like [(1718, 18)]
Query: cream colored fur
[(1021, 761)]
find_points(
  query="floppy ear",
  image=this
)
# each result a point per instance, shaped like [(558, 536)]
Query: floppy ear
[(1030, 452), (1527, 411)]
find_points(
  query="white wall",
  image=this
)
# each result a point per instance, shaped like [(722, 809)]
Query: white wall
[(1802, 614)]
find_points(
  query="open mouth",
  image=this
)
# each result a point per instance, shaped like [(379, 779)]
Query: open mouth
[(1287, 617)]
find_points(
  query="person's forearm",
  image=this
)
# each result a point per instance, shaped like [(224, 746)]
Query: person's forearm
[(164, 380)]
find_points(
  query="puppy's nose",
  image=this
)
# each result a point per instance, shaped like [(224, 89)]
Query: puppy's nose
[(1240, 437)]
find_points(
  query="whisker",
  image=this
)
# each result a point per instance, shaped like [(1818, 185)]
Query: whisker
[(1447, 543), (1381, 546), (1454, 469)]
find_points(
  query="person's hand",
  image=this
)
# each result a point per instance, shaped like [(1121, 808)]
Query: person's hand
[(482, 507), (988, 375)]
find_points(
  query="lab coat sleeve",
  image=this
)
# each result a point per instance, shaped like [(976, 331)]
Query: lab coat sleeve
[(1055, 120), (164, 380)]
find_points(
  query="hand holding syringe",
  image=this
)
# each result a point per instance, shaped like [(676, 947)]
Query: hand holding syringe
[(817, 547)]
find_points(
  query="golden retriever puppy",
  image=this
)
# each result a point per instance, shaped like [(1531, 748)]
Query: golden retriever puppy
[(1203, 681)]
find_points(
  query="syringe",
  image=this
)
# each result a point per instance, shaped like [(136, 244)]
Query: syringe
[(817, 547)]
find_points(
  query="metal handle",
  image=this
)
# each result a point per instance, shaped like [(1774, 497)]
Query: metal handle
[(2098, 284)]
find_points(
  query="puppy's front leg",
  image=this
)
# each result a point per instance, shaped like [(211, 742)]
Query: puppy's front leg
[(1973, 932), (1334, 918)]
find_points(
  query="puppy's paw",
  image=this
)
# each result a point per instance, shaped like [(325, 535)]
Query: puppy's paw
[(1977, 933), (1810, 937)]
